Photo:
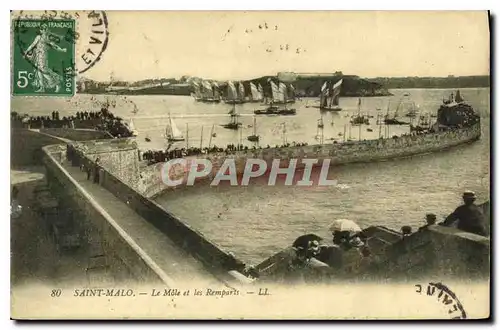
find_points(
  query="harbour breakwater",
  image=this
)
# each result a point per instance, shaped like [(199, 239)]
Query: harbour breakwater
[(151, 184), (189, 239)]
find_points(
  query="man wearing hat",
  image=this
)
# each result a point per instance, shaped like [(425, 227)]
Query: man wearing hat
[(468, 217)]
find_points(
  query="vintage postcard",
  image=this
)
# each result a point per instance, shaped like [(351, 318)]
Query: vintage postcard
[(250, 165)]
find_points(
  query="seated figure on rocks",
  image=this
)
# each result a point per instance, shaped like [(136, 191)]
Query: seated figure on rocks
[(467, 217)]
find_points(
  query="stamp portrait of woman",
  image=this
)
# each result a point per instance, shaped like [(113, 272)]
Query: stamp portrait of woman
[(38, 54)]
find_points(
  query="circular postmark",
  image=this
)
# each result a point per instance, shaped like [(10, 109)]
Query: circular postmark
[(82, 35), (444, 296)]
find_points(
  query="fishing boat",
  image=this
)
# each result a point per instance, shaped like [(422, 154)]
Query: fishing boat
[(282, 93), (254, 137), (255, 94), (329, 96), (393, 120), (284, 98), (233, 124), (278, 97), (197, 92), (413, 108), (360, 119), (235, 96), (209, 92), (261, 92), (172, 133), (215, 92)]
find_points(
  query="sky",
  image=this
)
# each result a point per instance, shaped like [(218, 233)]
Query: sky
[(160, 44)]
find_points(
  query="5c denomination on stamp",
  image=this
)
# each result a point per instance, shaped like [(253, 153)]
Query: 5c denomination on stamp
[(43, 57)]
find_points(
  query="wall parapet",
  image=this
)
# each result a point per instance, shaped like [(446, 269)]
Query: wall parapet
[(129, 253), (186, 237)]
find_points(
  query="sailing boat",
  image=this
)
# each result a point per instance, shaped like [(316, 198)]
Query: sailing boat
[(393, 120), (360, 119), (412, 113), (197, 92), (233, 123), (329, 96), (261, 92), (136, 109), (208, 92), (283, 98), (132, 129), (241, 92), (275, 96), (281, 93), (172, 133), (254, 137), (215, 92), (233, 97), (256, 95)]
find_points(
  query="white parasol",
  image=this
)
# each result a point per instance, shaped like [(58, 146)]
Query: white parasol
[(345, 225)]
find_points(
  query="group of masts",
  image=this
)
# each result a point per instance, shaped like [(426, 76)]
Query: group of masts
[(331, 90)]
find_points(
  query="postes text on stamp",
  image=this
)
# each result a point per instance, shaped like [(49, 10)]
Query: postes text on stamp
[(43, 57)]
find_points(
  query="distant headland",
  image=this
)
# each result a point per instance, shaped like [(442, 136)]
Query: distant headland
[(306, 85)]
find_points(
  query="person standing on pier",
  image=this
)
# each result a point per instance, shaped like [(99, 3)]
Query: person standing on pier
[(468, 217), (96, 170)]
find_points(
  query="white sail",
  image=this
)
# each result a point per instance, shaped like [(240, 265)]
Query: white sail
[(255, 92), (215, 89), (275, 91), (131, 127), (261, 92), (324, 87), (207, 90), (241, 91), (197, 91), (172, 131), (335, 93), (282, 92), (231, 91)]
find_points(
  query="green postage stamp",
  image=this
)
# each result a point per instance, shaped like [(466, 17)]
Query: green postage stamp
[(43, 57)]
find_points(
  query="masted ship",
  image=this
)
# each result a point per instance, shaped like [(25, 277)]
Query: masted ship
[(279, 96)]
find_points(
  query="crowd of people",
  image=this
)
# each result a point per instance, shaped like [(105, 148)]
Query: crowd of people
[(351, 253), (100, 120), (159, 156)]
